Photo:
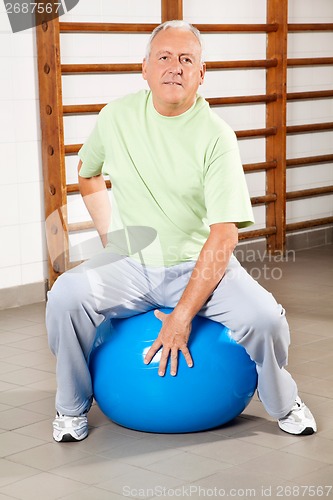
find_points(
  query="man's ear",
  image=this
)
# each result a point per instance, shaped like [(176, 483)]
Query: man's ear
[(202, 73), (144, 69)]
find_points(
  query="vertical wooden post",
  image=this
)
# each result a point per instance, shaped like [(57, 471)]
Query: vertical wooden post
[(53, 155), (172, 9), (276, 83)]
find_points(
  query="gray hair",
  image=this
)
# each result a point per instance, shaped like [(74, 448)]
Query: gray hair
[(178, 24)]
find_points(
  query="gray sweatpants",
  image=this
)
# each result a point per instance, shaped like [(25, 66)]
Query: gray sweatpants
[(109, 286)]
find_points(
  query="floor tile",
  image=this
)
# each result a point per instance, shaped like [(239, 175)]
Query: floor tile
[(322, 477), (282, 464), (141, 452), (25, 376), (22, 395), (11, 339), (93, 493), (32, 312), (4, 407), (29, 343), (186, 441), (233, 451), (188, 466), (6, 386), (6, 368), (48, 385), (33, 330), (47, 456), (40, 430), (33, 360), (239, 483), (7, 351), (268, 435), (44, 406), (47, 485), (104, 440), (138, 483), (12, 323), (12, 442), (316, 449), (92, 470), (17, 417), (11, 472), (314, 369)]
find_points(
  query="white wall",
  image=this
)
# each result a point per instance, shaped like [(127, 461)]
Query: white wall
[(22, 248)]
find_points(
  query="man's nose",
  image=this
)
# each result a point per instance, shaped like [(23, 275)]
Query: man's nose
[(175, 66)]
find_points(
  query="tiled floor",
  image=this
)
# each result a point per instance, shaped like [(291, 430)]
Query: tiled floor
[(249, 457)]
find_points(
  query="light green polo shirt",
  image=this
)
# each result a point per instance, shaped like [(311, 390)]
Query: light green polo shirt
[(172, 177)]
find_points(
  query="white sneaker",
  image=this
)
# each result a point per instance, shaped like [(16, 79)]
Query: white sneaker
[(299, 420), (70, 428)]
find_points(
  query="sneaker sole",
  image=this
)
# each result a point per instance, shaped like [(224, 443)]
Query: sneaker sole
[(68, 438), (308, 431)]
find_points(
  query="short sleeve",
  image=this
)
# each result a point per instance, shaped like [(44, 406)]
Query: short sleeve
[(92, 153), (226, 194)]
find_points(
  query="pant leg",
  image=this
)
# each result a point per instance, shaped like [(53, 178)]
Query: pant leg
[(80, 300), (258, 323)]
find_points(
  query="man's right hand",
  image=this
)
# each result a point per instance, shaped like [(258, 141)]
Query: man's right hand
[(173, 337)]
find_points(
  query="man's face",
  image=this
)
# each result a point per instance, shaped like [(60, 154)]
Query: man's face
[(174, 71)]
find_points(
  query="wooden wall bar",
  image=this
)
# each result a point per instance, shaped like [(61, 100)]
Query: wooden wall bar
[(309, 193), (309, 160), (316, 94), (68, 27), (136, 67), (171, 9), (297, 226), (310, 61), (309, 127), (105, 28), (77, 109), (53, 154), (276, 77), (293, 28)]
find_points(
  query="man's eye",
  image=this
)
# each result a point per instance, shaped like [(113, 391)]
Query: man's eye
[(187, 60), (163, 58)]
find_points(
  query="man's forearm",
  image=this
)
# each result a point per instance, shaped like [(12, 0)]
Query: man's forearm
[(208, 271), (95, 197)]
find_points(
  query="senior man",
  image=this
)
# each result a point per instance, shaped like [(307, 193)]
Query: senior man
[(179, 197)]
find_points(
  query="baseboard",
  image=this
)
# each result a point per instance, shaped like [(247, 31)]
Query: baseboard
[(299, 240), (302, 240), (23, 295)]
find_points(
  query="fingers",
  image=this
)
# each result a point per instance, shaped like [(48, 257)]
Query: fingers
[(166, 353), (173, 353), (187, 356), (152, 351), (159, 314), (157, 344), (164, 361)]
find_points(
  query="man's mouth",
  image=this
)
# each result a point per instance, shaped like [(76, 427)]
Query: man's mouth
[(172, 83)]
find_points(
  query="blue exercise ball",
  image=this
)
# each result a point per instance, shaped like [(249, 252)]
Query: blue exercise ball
[(214, 391)]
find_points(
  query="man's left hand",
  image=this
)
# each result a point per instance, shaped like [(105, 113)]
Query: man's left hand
[(173, 337)]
